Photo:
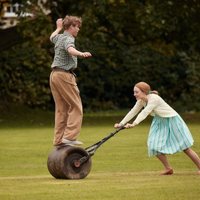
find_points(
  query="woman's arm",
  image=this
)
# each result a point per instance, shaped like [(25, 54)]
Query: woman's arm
[(134, 111), (151, 105)]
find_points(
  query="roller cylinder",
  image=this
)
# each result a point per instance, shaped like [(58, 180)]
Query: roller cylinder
[(63, 162)]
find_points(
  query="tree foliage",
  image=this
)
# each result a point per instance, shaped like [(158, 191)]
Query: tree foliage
[(25, 71), (142, 40)]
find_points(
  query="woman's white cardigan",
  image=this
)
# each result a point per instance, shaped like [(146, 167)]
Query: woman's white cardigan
[(154, 106)]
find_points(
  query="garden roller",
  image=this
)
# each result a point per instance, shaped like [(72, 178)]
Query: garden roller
[(72, 162)]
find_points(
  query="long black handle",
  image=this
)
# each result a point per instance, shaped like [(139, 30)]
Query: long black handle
[(91, 149)]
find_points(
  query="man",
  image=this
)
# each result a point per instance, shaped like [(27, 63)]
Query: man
[(68, 105)]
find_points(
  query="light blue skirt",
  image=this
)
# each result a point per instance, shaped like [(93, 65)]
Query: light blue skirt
[(168, 136)]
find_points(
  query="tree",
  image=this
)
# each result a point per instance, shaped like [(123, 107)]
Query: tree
[(150, 40), (26, 66)]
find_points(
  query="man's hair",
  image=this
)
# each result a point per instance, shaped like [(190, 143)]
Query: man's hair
[(71, 20)]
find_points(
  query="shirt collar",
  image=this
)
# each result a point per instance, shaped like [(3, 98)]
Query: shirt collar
[(67, 34)]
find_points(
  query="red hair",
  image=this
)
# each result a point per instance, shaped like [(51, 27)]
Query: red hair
[(144, 87)]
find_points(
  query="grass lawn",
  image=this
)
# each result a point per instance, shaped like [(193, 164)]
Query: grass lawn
[(121, 168)]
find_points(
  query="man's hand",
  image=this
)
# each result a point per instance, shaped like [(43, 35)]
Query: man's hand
[(59, 24), (85, 54)]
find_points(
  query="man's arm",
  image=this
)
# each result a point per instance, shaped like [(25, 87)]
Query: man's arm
[(59, 27), (72, 51)]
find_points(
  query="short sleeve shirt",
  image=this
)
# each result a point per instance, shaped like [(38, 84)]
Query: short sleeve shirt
[(62, 58)]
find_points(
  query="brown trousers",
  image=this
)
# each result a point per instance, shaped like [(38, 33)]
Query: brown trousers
[(68, 106)]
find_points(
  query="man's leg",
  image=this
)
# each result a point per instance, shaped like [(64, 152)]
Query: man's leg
[(75, 113), (71, 104), (60, 110)]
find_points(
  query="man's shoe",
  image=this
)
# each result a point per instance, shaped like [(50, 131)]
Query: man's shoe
[(71, 142), (76, 142)]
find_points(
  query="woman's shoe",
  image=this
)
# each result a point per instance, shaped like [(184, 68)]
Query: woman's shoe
[(167, 172)]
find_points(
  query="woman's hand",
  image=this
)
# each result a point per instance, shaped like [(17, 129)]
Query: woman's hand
[(117, 125), (130, 125)]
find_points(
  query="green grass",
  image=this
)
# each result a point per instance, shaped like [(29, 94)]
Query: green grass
[(120, 170)]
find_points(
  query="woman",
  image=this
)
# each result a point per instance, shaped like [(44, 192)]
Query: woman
[(168, 132)]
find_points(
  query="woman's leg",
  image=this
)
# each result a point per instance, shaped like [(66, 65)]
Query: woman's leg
[(194, 157), (168, 168)]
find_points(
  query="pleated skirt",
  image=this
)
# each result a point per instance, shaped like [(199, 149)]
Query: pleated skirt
[(168, 136)]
